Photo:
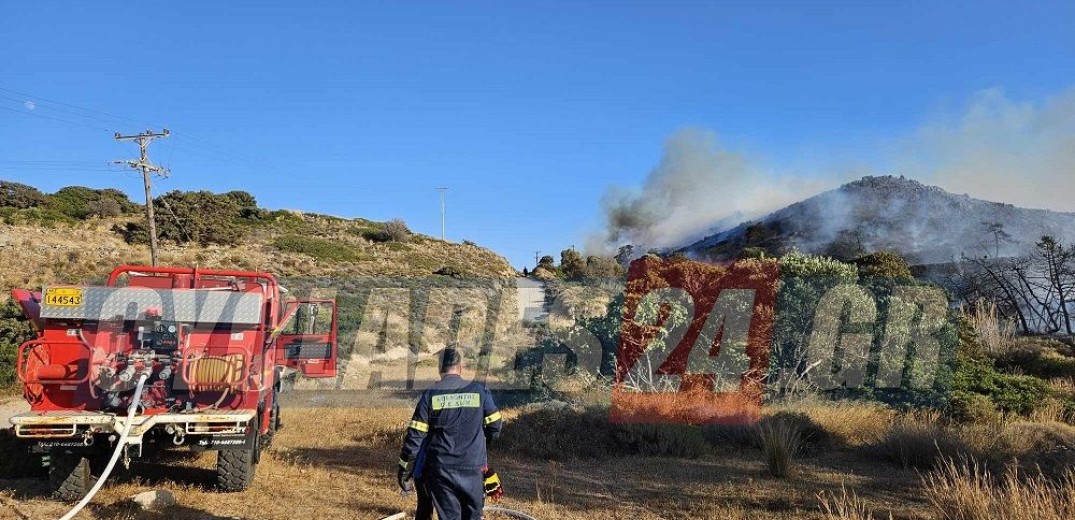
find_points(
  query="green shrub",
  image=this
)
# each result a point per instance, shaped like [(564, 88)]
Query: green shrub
[(318, 248), (972, 407), (79, 202), (394, 230), (1043, 364), (39, 215), (14, 330), (883, 264), (20, 196), (198, 216), (1009, 393)]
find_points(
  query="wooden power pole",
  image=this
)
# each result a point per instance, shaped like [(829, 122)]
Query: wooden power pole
[(147, 168)]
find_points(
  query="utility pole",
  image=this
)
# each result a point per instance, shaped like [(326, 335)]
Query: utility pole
[(442, 189), (537, 256), (143, 164)]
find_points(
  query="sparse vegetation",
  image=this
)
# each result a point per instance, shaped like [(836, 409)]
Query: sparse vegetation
[(966, 490), (780, 439), (845, 506), (14, 330), (318, 248), (394, 230)]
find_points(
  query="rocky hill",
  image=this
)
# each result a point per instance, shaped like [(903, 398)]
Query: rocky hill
[(41, 242), (925, 224)]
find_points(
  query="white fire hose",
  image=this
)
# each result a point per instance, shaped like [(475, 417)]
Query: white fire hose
[(488, 509), (120, 444)]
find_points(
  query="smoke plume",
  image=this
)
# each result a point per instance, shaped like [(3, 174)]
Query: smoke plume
[(992, 148), (1022, 153), (698, 186)]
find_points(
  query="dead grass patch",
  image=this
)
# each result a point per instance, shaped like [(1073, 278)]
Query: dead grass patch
[(780, 438), (845, 505), (967, 491), (920, 441)]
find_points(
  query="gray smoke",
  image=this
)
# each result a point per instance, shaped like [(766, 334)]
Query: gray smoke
[(698, 186), (1022, 153), (992, 148)]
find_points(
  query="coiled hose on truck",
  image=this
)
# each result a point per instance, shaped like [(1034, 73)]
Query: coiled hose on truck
[(120, 444)]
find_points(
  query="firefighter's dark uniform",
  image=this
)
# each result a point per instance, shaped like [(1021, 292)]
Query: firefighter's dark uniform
[(459, 417)]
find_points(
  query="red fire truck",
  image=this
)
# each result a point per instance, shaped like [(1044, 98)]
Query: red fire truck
[(206, 348)]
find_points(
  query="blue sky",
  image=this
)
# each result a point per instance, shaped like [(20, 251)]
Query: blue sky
[(529, 111)]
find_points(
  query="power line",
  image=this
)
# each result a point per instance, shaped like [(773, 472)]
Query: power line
[(42, 116), (187, 140), (90, 110)]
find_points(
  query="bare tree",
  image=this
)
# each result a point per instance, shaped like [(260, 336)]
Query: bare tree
[(999, 235), (1057, 265)]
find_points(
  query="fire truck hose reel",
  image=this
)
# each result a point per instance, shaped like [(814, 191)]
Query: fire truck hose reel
[(121, 446)]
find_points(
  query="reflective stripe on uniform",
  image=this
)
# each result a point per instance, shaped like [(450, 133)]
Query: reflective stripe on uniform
[(447, 401), (419, 425), (492, 418), (403, 464)]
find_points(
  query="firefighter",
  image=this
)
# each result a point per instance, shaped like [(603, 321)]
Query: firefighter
[(452, 424)]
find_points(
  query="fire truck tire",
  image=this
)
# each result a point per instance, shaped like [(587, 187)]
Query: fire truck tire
[(70, 476), (235, 469)]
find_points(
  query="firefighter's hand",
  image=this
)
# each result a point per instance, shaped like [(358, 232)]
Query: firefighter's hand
[(493, 488), (403, 478)]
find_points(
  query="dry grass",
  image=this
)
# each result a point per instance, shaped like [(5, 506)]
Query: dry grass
[(845, 506), (995, 333), (339, 463), (780, 439), (919, 441), (967, 491), (849, 423)]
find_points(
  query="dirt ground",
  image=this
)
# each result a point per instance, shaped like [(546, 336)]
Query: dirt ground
[(337, 463), (11, 405)]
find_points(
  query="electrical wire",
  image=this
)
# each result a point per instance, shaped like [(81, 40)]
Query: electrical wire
[(184, 139), (42, 116)]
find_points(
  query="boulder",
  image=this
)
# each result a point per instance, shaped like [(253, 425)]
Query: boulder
[(156, 499)]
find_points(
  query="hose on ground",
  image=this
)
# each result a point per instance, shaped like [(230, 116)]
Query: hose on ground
[(120, 444), (488, 509), (510, 512)]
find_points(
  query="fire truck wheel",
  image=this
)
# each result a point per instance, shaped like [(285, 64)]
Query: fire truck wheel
[(69, 476), (235, 469)]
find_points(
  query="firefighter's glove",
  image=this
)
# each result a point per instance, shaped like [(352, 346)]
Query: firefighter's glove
[(403, 477), (493, 488)]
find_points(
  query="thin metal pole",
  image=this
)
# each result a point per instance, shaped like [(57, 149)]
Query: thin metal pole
[(442, 189)]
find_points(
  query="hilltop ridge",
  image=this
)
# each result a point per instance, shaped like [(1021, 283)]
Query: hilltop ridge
[(924, 223)]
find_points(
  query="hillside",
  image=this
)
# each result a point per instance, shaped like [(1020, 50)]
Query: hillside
[(43, 241), (925, 224)]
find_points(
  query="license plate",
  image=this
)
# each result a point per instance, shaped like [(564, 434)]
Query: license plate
[(63, 296)]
